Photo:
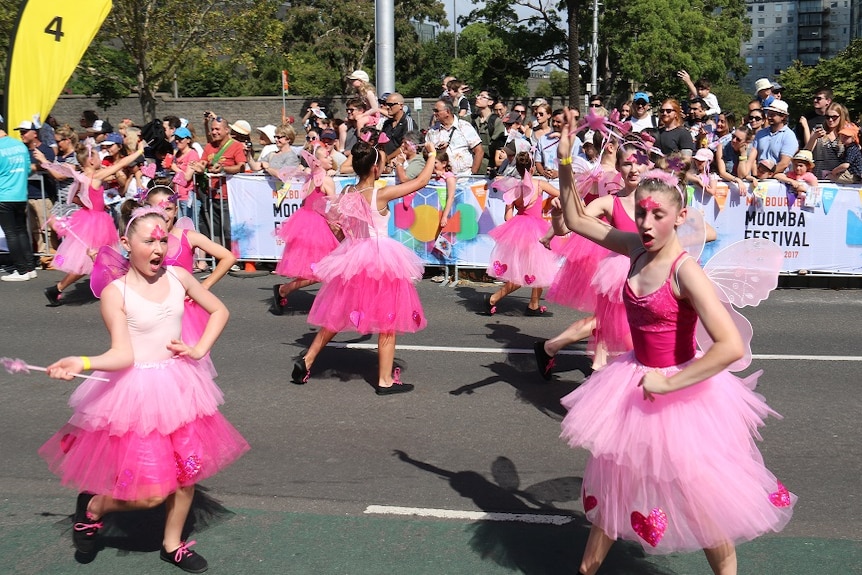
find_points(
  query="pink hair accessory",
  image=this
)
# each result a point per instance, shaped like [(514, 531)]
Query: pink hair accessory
[(15, 366), (676, 164), (663, 177), (149, 170), (145, 211), (649, 204), (382, 138), (365, 137)]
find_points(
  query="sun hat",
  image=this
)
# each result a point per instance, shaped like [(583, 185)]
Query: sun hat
[(268, 131), (359, 75), (241, 127), (804, 156), (762, 84)]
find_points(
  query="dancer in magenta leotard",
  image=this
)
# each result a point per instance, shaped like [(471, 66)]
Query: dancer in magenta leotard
[(152, 429), (670, 431)]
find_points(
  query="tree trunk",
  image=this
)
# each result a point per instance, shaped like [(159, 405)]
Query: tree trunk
[(574, 54), (147, 98)]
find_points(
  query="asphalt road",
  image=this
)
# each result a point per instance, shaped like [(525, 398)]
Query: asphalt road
[(332, 463)]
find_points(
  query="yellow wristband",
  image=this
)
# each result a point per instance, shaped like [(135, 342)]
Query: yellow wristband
[(432, 153), (566, 162), (86, 361)]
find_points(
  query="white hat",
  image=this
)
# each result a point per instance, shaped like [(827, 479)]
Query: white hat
[(318, 112), (779, 106), (762, 84), (241, 127), (359, 75), (268, 131), (704, 155), (97, 126), (26, 126), (538, 102)]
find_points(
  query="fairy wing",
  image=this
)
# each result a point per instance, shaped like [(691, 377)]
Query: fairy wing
[(511, 188), (108, 266), (743, 274), (352, 213), (692, 233)]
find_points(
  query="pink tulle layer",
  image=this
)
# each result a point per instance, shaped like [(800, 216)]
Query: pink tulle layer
[(307, 240), (148, 430), (518, 257), (369, 287), (571, 286), (612, 325), (678, 474), (88, 229)]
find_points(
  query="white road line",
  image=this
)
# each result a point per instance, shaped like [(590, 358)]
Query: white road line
[(517, 350), (470, 515)]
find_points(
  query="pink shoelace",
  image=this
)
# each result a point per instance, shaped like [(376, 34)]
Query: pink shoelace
[(88, 526), (396, 376), (183, 550)]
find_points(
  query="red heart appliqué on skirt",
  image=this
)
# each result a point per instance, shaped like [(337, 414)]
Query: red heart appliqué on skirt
[(780, 498), (590, 503), (650, 528), (499, 268)]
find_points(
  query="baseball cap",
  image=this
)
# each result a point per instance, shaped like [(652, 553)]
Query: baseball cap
[(850, 129), (641, 96), (768, 164), (762, 84), (182, 132), (112, 138), (26, 126), (328, 134), (241, 127), (359, 75), (776, 87)]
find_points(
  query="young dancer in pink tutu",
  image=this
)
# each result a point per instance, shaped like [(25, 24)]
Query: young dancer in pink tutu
[(670, 430), (368, 280), (183, 241), (306, 234), (89, 228), (152, 430), (588, 279), (518, 257)]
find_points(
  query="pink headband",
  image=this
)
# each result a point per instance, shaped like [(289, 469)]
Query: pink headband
[(144, 211)]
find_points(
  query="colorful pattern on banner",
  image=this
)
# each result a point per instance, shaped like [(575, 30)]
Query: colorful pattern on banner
[(825, 235), (822, 233)]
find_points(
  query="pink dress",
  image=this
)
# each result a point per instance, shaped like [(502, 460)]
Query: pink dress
[(195, 318), (517, 256), (86, 229), (682, 473), (307, 238), (152, 427), (369, 279), (612, 326)]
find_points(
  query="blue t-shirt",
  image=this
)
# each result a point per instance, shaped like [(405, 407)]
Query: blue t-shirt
[(14, 170), (772, 145)]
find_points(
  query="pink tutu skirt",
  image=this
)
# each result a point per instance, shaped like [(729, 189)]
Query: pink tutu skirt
[(679, 474), (307, 240), (518, 257), (149, 430), (571, 286), (368, 287), (85, 230), (612, 324)]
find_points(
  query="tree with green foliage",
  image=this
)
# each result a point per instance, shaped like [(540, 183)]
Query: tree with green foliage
[(841, 73), (8, 12)]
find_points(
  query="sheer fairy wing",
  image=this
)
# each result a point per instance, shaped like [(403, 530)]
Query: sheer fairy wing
[(743, 274), (511, 188), (108, 266), (185, 223), (80, 181), (692, 233), (352, 213)]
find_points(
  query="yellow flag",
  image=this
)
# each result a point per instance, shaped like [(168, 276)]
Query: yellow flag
[(46, 45)]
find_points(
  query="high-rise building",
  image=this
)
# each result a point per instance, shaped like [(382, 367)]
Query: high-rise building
[(806, 30)]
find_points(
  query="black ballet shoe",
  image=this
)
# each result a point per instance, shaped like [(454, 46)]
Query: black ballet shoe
[(539, 311), (300, 373), (397, 385), (84, 528), (53, 294), (279, 302), (488, 308), (544, 362), (185, 558)]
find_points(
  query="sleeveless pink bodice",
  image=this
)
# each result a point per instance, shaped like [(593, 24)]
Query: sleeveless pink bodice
[(97, 198), (152, 325), (313, 200), (180, 252), (662, 326), (379, 227), (620, 218)]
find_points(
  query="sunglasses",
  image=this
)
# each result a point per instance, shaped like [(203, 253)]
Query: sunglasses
[(520, 111), (756, 118), (833, 117), (351, 110), (595, 105), (389, 104), (666, 110), (307, 138), (737, 139), (818, 98)]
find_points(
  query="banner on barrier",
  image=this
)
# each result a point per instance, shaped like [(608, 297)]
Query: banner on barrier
[(825, 235)]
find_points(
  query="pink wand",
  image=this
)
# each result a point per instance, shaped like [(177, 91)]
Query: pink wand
[(16, 365)]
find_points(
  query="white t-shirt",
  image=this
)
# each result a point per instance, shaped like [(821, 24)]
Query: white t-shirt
[(638, 125), (462, 138)]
